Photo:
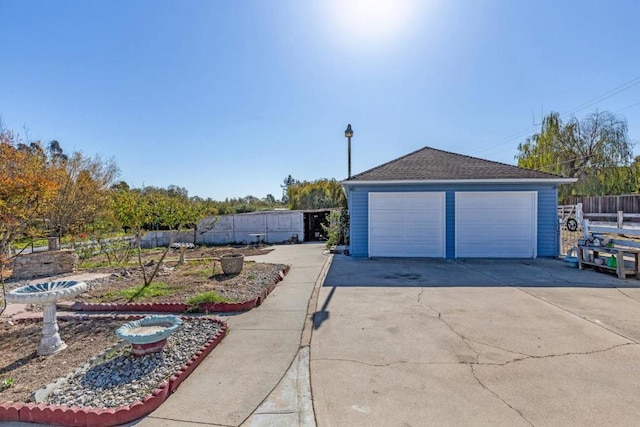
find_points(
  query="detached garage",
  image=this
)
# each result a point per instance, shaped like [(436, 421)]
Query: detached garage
[(436, 204)]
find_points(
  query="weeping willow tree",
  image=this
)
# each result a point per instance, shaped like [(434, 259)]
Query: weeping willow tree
[(596, 150), (321, 193)]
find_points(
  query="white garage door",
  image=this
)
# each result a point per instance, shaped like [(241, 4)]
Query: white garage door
[(496, 224), (407, 224)]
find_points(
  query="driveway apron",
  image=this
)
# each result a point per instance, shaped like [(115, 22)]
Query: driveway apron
[(407, 342)]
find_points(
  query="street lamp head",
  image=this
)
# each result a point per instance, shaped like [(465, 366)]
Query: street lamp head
[(348, 132)]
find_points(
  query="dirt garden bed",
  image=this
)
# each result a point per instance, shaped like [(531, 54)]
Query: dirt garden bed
[(199, 280), (201, 276)]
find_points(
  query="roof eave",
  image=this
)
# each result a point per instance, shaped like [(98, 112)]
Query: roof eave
[(348, 183)]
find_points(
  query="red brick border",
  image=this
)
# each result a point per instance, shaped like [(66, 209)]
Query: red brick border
[(166, 307), (85, 416)]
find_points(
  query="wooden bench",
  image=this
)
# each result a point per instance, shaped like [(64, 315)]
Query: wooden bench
[(617, 252)]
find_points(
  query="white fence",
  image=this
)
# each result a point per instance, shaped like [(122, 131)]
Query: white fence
[(589, 227), (267, 226), (153, 239), (620, 224), (568, 238)]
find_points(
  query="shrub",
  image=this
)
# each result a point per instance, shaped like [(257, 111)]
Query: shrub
[(337, 228)]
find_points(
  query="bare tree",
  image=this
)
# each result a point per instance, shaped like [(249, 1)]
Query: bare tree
[(83, 189)]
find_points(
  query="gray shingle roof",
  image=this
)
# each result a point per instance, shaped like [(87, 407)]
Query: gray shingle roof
[(429, 164)]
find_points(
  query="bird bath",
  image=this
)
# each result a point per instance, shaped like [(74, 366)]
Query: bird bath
[(149, 334), (47, 294)]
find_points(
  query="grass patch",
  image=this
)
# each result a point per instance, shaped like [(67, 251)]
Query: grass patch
[(199, 273), (199, 268), (207, 297), (199, 263), (155, 289), (94, 264), (6, 383), (26, 243)]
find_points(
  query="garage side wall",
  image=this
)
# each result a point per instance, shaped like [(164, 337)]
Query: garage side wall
[(547, 226), (549, 235)]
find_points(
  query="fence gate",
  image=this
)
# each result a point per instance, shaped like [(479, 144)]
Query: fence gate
[(570, 223)]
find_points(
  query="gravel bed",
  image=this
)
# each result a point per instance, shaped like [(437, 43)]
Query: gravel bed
[(254, 286), (123, 379)]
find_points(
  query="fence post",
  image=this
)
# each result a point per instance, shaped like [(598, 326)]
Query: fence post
[(53, 244), (620, 218), (233, 229), (585, 228), (579, 213)]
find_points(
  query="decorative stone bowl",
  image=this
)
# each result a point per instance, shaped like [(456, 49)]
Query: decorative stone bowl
[(232, 263), (149, 334), (47, 294)]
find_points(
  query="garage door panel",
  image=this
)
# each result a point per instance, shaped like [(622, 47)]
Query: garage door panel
[(386, 217), (417, 203), (496, 224), (384, 204), (505, 233), (407, 224)]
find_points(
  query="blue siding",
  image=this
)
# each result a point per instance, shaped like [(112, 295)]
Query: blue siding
[(548, 229), (547, 212), (359, 220), (450, 232)]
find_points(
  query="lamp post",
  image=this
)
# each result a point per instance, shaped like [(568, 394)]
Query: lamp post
[(348, 133)]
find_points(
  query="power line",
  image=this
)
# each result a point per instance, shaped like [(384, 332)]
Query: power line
[(612, 92), (627, 107), (542, 168), (526, 134), (628, 85)]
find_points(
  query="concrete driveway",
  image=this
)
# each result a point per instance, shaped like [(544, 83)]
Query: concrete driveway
[(475, 342)]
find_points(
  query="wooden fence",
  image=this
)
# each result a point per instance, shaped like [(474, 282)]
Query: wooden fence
[(628, 203)]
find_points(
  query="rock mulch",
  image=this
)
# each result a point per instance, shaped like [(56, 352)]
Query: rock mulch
[(123, 378)]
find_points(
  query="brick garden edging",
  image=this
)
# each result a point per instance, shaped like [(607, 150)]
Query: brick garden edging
[(167, 307), (85, 416)]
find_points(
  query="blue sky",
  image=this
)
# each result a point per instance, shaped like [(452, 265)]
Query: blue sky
[(228, 98)]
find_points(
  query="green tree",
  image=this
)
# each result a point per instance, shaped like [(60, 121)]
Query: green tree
[(120, 185), (26, 186), (321, 193), (337, 227), (288, 182), (132, 211), (136, 209), (596, 150)]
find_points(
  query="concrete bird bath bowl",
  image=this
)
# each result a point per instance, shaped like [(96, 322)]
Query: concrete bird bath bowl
[(47, 294), (149, 334)]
